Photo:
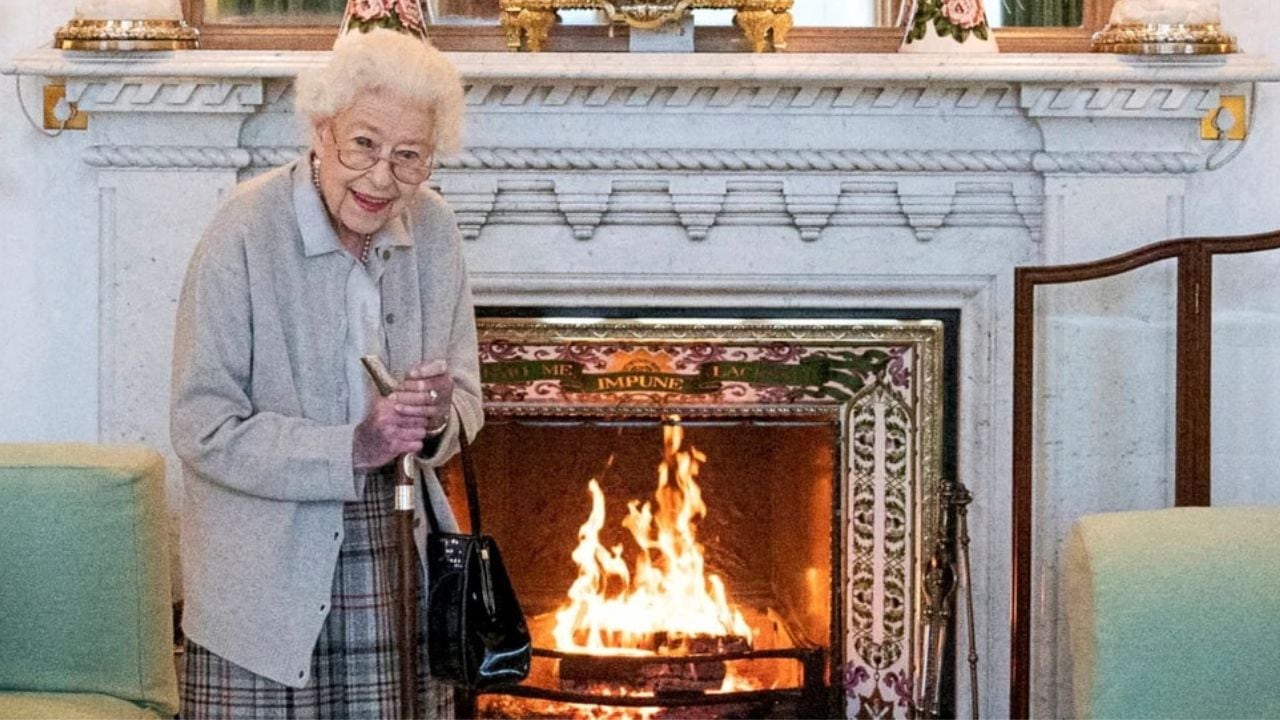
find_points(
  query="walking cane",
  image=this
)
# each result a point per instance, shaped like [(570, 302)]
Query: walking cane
[(406, 558)]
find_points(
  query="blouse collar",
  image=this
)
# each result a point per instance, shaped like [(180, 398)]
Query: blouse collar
[(318, 235)]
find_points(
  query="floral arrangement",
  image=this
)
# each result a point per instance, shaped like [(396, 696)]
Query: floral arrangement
[(953, 18), (402, 15)]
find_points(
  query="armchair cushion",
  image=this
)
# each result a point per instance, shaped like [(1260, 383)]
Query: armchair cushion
[(84, 579), (71, 706), (1175, 613)]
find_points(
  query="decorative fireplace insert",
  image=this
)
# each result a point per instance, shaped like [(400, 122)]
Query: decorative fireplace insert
[(714, 518)]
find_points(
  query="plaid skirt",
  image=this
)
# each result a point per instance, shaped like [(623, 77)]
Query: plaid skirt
[(354, 669)]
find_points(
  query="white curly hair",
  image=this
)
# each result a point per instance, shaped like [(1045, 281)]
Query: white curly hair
[(388, 60)]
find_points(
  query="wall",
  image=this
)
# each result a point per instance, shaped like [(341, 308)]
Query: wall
[(1240, 198), (48, 275)]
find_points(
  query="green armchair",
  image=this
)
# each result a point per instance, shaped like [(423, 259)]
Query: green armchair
[(1175, 613), (85, 601)]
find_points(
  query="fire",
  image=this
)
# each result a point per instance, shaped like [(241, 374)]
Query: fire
[(665, 598)]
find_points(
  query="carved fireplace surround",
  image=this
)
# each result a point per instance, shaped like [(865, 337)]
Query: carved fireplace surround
[(779, 182)]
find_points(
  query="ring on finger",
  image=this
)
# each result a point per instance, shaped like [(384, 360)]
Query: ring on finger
[(432, 396)]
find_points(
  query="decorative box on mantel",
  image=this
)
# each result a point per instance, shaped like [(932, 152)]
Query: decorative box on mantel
[(779, 181)]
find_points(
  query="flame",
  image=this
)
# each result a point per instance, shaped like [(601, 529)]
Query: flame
[(666, 596)]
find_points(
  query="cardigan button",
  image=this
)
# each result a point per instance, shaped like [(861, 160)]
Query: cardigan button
[(391, 318)]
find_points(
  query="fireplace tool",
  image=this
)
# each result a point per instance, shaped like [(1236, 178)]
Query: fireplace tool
[(406, 558), (950, 558)]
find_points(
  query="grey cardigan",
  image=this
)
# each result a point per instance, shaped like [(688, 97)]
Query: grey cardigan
[(259, 404)]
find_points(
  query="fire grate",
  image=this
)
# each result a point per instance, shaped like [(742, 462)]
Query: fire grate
[(808, 699)]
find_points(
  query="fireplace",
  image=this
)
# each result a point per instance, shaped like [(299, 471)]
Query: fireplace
[(812, 450)]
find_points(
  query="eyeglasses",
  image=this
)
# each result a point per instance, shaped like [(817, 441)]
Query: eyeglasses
[(407, 165)]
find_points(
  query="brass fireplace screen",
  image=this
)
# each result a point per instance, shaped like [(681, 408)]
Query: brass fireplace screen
[(723, 514)]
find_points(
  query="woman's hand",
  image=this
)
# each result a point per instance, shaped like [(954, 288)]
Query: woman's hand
[(401, 422), (427, 393)]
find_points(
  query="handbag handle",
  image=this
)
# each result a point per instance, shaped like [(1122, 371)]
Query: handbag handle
[(469, 476)]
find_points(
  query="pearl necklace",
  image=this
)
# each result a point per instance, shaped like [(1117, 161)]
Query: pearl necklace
[(315, 180)]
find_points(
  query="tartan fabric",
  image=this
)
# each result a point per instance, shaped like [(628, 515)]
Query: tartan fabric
[(354, 668)]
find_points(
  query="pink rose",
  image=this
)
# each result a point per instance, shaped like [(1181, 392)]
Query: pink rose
[(410, 14), (368, 9), (963, 13)]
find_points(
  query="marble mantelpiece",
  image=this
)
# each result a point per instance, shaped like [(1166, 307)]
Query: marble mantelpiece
[(778, 181)]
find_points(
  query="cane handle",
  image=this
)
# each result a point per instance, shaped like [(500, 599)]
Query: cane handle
[(378, 372)]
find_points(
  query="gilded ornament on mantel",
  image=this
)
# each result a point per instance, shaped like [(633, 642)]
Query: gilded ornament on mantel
[(126, 35), (764, 23), (1164, 27), (1174, 39), (127, 26)]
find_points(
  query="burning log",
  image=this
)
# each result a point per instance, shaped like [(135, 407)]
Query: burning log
[(588, 673), (669, 670), (677, 645)]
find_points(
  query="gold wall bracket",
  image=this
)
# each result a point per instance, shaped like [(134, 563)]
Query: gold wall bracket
[(56, 109), (1228, 116)]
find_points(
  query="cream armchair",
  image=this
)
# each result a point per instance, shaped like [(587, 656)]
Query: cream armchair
[(85, 611), (1175, 613)]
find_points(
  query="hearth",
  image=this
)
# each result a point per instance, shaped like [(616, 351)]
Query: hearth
[(790, 466)]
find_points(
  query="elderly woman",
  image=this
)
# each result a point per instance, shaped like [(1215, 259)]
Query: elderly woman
[(287, 448)]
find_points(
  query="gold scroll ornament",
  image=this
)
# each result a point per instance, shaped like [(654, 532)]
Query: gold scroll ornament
[(764, 23)]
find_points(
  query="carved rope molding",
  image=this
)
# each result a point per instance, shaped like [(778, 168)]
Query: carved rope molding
[(936, 161), (1107, 163), (652, 159), (159, 157), (743, 160)]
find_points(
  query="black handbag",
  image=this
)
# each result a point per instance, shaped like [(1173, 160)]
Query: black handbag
[(476, 632)]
